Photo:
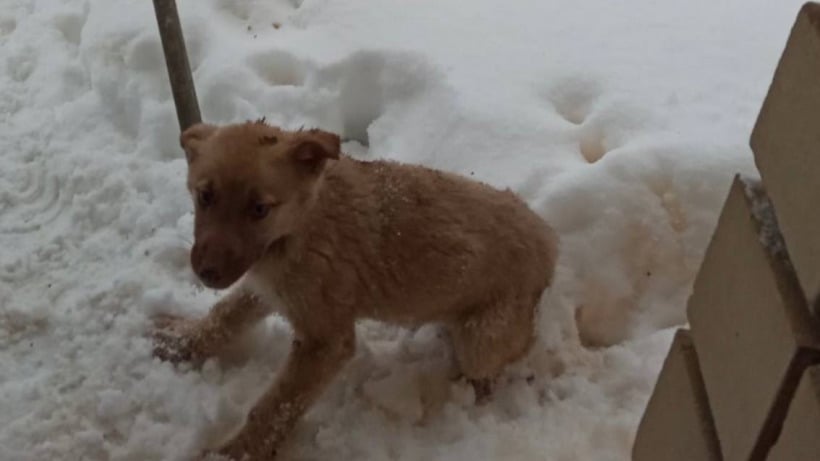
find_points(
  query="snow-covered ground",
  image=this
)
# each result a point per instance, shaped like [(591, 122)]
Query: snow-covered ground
[(621, 123)]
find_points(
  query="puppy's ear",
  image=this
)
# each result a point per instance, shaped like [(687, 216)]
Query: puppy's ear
[(192, 138), (312, 148)]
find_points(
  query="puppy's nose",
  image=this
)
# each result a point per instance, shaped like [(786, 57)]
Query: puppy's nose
[(209, 275)]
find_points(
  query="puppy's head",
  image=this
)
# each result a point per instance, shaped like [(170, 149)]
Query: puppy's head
[(251, 185)]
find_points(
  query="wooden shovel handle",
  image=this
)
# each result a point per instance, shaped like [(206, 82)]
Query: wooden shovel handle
[(176, 60)]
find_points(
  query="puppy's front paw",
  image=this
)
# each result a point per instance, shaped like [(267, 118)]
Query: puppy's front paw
[(245, 446), (172, 337), (212, 456)]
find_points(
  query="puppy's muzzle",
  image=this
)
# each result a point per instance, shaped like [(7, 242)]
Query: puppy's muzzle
[(216, 263)]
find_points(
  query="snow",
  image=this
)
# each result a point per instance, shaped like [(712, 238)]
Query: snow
[(765, 218), (622, 123)]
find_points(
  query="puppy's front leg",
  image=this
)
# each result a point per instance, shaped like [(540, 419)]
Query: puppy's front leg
[(312, 364), (178, 339)]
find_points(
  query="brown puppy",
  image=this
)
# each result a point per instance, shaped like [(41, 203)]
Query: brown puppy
[(332, 240)]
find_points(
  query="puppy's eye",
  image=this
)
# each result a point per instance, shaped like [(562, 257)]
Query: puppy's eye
[(205, 198), (260, 210)]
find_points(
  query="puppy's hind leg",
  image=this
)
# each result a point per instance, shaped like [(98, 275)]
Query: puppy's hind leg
[(491, 336)]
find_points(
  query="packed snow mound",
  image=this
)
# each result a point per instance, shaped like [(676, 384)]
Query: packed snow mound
[(621, 124)]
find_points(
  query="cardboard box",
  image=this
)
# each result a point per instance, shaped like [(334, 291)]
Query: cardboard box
[(800, 437), (786, 143), (750, 323), (677, 424)]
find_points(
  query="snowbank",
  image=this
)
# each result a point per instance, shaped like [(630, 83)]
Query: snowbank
[(622, 124)]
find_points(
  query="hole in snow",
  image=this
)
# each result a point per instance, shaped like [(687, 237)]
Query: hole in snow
[(370, 86), (359, 114), (257, 15), (355, 149), (604, 325), (144, 53), (21, 64), (240, 9), (671, 204), (278, 68), (572, 113), (612, 292), (71, 26), (360, 82), (592, 147), (573, 99), (7, 25)]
